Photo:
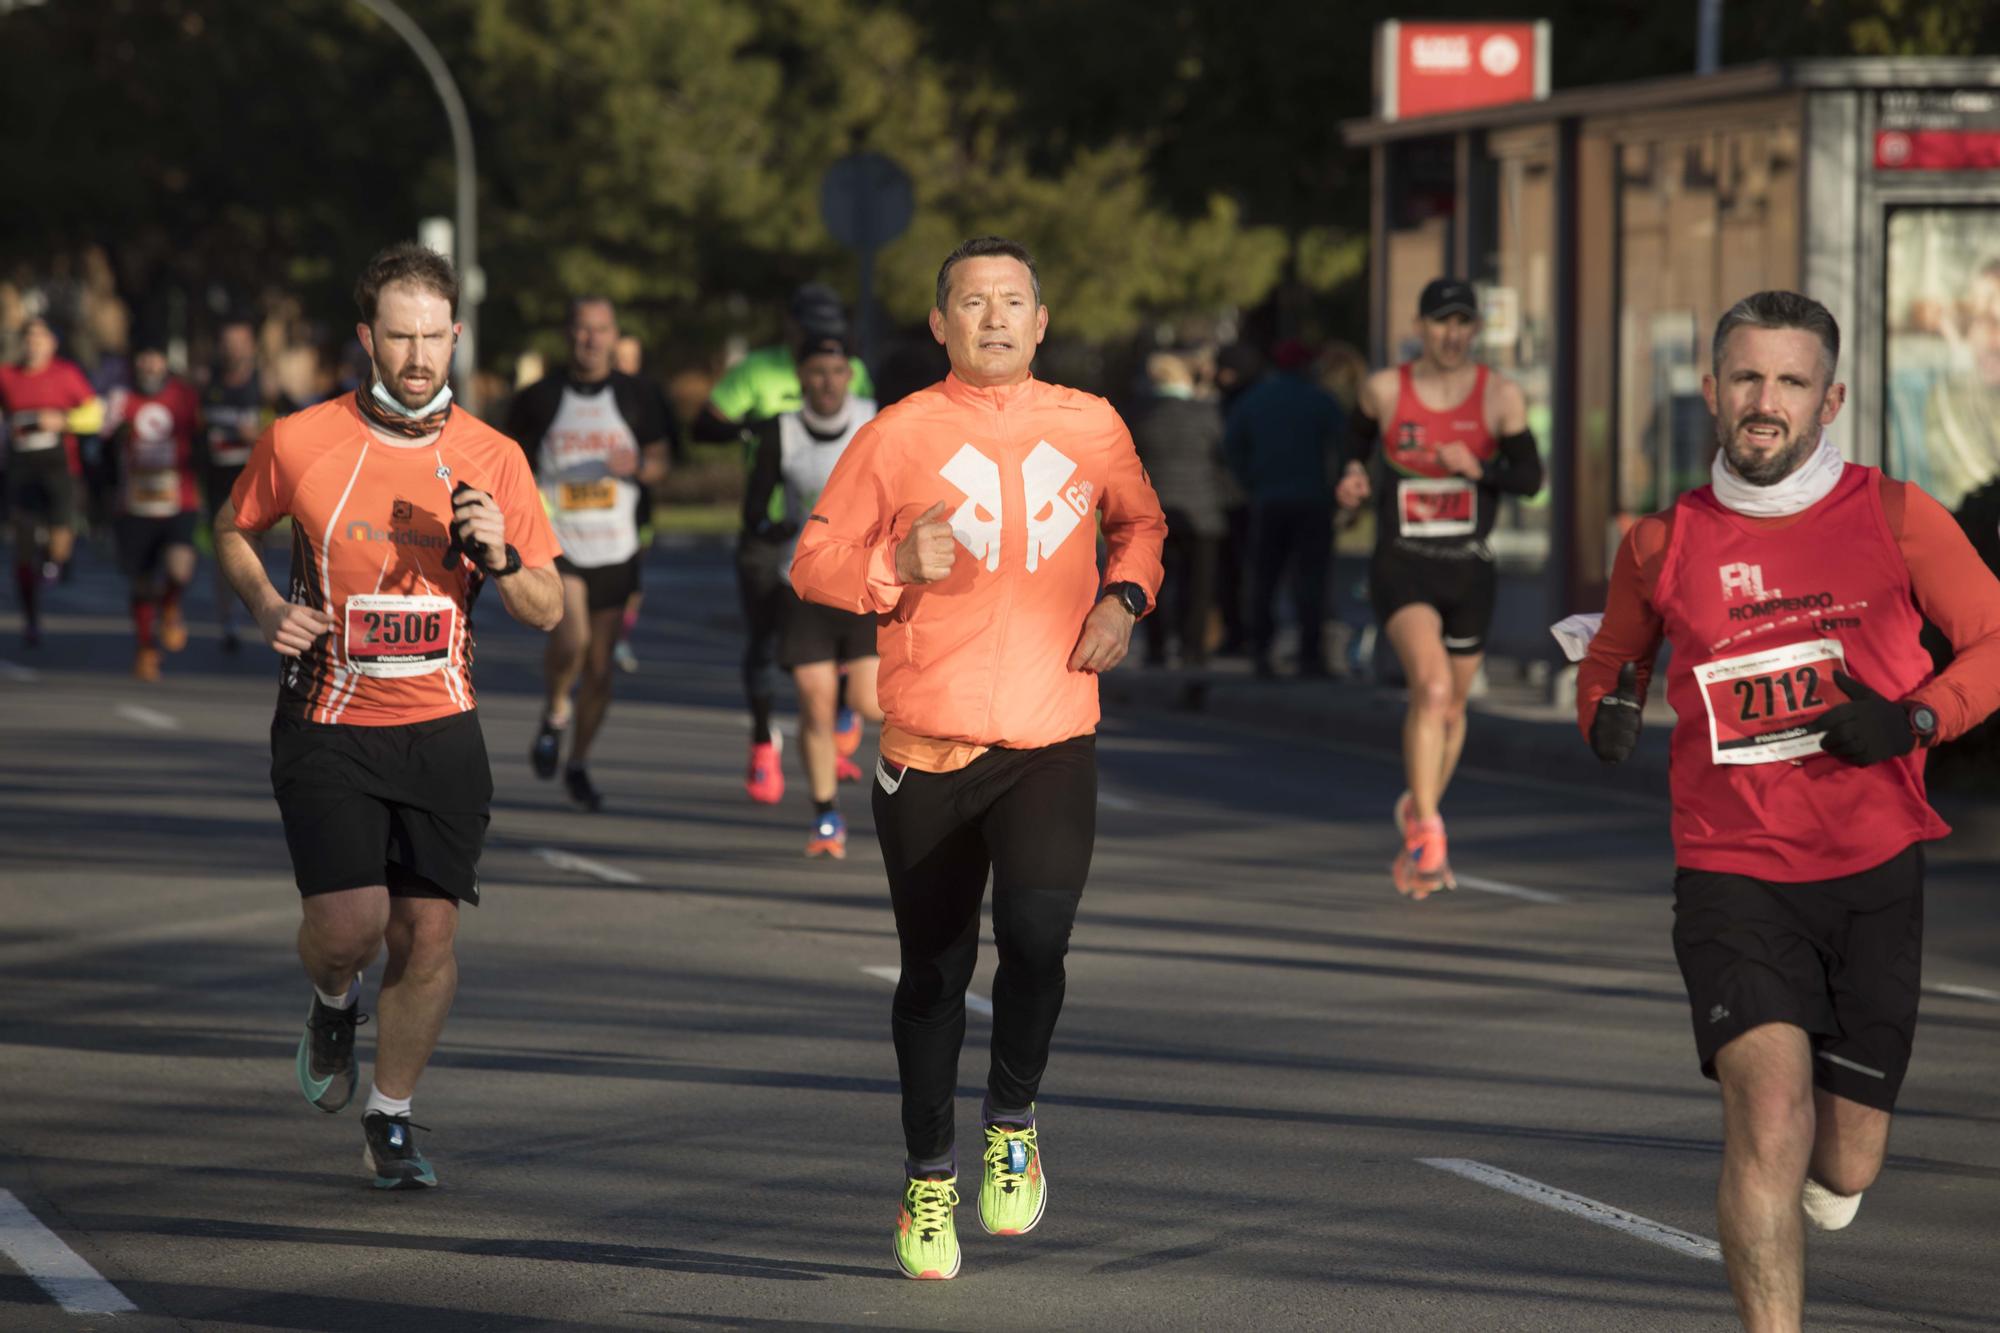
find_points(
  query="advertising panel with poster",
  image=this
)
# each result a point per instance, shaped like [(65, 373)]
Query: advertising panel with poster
[(1424, 69), (1943, 349)]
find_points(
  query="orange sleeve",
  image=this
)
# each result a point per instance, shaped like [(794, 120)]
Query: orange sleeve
[(846, 556), (1632, 629), (1134, 528), (260, 495), (1957, 593)]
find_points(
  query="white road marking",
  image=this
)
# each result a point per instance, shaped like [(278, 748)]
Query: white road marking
[(563, 860), (977, 1003), (14, 671), (1590, 1210), (49, 951), (1507, 890), (55, 1267), (149, 717), (1963, 992), (1114, 801)]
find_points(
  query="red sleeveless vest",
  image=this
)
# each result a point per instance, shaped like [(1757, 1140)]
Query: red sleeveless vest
[(1758, 619), (1419, 499)]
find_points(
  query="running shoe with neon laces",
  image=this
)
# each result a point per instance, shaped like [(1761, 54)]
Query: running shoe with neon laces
[(1013, 1192), (829, 836), (926, 1234), (325, 1063), (846, 732), (766, 782), (546, 750), (582, 790), (390, 1152), (845, 769)]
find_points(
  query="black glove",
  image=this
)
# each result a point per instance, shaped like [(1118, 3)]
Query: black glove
[(1614, 731), (473, 551), (1867, 728)]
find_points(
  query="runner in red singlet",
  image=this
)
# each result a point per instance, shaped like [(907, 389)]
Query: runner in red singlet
[(1454, 439), (1792, 591), (153, 430)]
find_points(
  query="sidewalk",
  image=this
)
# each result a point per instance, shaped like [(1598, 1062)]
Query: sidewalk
[(1515, 729)]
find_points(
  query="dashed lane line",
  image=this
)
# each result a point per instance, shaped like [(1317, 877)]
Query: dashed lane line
[(1590, 1210), (149, 717), (1507, 890), (53, 1266), (977, 1003), (563, 860)]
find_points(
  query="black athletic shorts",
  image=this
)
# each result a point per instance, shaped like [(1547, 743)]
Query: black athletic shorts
[(606, 587), (403, 806), (815, 633), (1840, 958), (1460, 588), (143, 542), (40, 487)]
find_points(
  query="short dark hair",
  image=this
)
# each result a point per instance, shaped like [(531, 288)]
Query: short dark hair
[(983, 247), (405, 261), (577, 303), (1779, 310)]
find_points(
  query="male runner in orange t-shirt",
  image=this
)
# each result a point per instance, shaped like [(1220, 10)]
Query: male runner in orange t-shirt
[(988, 684), (402, 511)]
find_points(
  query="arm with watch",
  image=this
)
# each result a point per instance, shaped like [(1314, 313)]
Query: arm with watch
[(532, 595), (1134, 531)]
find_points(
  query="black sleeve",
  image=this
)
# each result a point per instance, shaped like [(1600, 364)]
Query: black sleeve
[(763, 479), (531, 414), (1363, 431), (1517, 468), (711, 427), (644, 408), (670, 424)]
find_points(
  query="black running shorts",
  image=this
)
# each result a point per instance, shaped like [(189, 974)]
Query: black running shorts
[(607, 587), (1840, 958), (40, 487), (1460, 588), (815, 633), (402, 806), (143, 542)]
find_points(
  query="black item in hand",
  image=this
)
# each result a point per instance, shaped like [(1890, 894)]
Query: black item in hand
[(1867, 729), (1614, 731), (471, 548)]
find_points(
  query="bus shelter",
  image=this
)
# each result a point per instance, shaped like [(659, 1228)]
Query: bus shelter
[(1609, 227)]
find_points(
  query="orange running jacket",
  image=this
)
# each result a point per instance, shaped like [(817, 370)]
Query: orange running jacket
[(981, 657)]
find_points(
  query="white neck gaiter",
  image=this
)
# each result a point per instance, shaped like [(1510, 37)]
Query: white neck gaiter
[(1808, 484), (394, 404), (833, 425)]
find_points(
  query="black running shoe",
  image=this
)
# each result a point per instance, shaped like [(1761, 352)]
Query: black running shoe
[(391, 1154), (325, 1063), (546, 750), (582, 791)]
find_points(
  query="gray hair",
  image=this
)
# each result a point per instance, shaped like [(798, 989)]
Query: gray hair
[(983, 247), (1779, 310)]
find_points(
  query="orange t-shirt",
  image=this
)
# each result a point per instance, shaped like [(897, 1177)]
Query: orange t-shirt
[(981, 657), (370, 535)]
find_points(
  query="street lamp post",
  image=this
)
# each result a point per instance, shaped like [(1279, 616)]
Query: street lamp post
[(471, 281)]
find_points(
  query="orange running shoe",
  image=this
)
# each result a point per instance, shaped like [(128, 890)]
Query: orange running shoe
[(847, 736), (845, 769), (146, 664), (1422, 867), (829, 837), (173, 629), (766, 782)]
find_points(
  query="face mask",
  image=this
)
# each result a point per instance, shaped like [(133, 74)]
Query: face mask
[(390, 401)]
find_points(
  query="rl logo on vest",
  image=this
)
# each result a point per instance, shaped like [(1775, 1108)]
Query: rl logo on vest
[(1055, 508), (1745, 581)]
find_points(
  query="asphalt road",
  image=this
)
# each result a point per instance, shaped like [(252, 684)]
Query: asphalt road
[(1280, 1097)]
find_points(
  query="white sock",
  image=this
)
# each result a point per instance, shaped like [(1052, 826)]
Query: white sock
[(386, 1105), (1826, 1210), (345, 1001)]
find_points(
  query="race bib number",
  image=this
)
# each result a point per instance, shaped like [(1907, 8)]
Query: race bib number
[(29, 437), (154, 492), (1437, 507), (390, 635), (1761, 706), (579, 495)]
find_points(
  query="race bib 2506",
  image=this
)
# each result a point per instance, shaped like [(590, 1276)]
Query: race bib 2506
[(1761, 705), (388, 634), (1437, 507)]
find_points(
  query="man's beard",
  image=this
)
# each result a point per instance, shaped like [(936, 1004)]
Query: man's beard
[(1764, 471), (401, 392)]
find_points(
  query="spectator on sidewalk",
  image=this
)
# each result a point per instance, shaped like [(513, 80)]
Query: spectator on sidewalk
[(1179, 438), (1282, 445)]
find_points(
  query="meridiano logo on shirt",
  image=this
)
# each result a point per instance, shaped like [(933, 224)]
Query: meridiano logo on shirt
[(361, 530)]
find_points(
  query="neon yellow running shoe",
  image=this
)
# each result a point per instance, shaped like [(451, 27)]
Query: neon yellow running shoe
[(926, 1235), (1012, 1192)]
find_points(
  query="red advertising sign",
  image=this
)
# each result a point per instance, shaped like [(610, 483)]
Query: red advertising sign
[(1423, 69), (1937, 150)]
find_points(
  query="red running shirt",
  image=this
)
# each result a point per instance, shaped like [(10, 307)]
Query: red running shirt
[(370, 535), (155, 434)]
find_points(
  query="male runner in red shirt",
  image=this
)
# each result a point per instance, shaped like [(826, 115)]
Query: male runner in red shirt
[(153, 430), (402, 511), (1790, 590), (48, 403)]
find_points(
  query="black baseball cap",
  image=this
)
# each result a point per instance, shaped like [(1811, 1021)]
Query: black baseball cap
[(1448, 296), (817, 309)]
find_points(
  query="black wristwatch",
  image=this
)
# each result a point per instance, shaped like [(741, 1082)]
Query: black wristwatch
[(1130, 596), (1923, 722), (513, 565)]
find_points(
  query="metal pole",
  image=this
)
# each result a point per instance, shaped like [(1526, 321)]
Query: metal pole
[(1708, 37), (471, 281)]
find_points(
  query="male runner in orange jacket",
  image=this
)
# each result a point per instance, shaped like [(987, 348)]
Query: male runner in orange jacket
[(988, 684)]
